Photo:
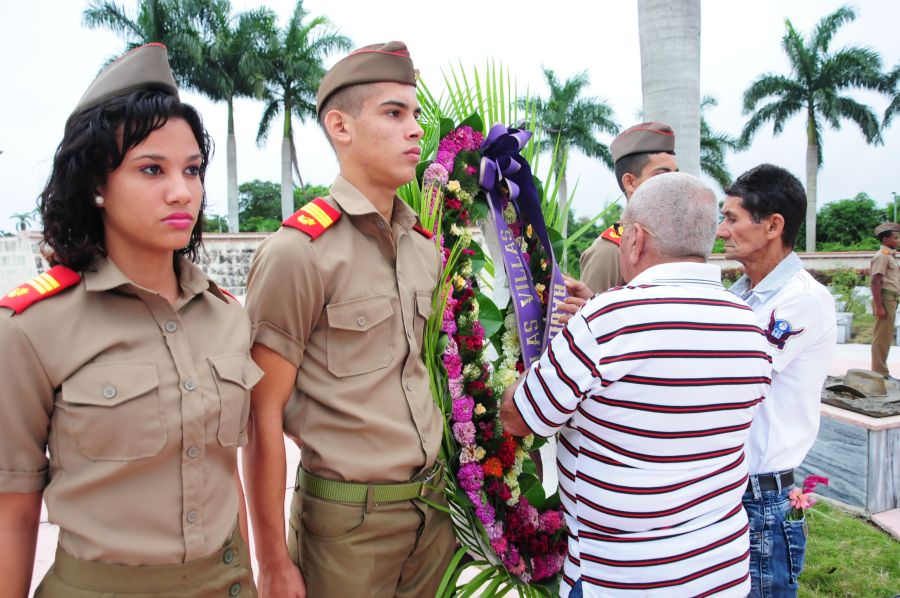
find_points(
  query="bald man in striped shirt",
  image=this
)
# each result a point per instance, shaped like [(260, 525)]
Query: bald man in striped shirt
[(653, 387)]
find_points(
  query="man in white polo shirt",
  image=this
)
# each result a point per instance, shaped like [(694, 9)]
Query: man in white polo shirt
[(653, 387), (762, 214)]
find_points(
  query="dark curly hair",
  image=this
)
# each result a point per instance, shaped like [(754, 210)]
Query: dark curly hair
[(94, 144)]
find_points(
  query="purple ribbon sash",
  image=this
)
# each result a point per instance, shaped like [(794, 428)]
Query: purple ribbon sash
[(503, 169)]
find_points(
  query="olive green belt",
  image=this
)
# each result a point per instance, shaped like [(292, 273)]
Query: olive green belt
[(361, 494), (893, 294)]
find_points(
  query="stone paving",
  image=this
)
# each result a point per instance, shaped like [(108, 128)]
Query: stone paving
[(846, 356)]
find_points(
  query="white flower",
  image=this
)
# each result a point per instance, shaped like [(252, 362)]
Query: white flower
[(471, 371), (453, 186)]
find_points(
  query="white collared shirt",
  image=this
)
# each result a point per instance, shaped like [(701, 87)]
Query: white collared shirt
[(799, 318)]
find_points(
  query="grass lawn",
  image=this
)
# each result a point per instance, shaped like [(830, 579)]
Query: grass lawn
[(848, 556), (862, 329)]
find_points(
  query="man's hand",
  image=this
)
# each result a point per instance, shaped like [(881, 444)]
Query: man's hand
[(281, 579), (577, 288), (880, 312), (570, 307), (509, 414)]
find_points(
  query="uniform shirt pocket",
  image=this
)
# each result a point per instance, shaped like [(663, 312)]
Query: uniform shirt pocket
[(424, 308), (235, 374), (112, 411), (359, 335)]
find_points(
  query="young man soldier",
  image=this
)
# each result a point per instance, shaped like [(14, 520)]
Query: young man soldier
[(640, 152), (339, 298), (885, 280)]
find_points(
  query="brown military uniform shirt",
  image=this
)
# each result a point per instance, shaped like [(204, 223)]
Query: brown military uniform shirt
[(600, 265), (142, 405), (885, 263), (349, 309)]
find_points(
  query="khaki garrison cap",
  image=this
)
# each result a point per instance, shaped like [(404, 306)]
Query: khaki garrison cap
[(887, 227), (370, 64), (645, 138), (145, 67)]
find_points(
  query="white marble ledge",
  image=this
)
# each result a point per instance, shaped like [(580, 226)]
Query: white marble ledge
[(858, 419)]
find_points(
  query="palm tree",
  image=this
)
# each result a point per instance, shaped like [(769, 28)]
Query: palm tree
[(891, 81), (670, 72), (813, 88), (171, 22), (23, 219), (570, 121), (713, 145), (230, 66), (293, 69)]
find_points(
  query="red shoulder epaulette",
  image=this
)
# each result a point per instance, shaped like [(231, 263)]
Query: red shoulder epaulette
[(227, 294), (313, 218), (423, 231), (610, 234), (53, 281)]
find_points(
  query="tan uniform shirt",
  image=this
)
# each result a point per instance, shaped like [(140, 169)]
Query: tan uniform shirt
[(600, 265), (349, 309), (142, 405), (885, 263)]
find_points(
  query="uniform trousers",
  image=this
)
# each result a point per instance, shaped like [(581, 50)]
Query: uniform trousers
[(383, 550), (883, 334), (225, 573)]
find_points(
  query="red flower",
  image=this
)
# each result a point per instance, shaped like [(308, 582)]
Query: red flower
[(507, 453), (492, 467), (453, 203), (520, 367)]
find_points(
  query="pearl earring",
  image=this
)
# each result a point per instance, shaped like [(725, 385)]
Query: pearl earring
[(98, 199)]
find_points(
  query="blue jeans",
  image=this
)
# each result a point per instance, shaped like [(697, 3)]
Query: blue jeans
[(576, 591), (777, 546)]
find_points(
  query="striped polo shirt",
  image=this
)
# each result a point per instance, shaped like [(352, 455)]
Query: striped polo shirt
[(653, 387)]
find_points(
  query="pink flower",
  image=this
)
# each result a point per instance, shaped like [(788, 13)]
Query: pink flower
[(470, 477), (435, 174), (811, 481), (462, 409), (798, 499), (464, 432), (550, 521)]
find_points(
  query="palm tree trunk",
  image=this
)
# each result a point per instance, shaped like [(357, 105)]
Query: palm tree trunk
[(670, 72), (812, 171), (287, 181), (231, 159)]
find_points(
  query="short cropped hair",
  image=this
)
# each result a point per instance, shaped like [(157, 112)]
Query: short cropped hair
[(768, 189), (348, 99), (680, 212), (633, 164), (94, 144)]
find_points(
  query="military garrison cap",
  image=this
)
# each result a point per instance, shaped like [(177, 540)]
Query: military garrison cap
[(369, 64), (645, 138), (887, 227), (145, 67)]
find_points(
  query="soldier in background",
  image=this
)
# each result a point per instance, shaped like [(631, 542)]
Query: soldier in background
[(640, 152), (884, 274)]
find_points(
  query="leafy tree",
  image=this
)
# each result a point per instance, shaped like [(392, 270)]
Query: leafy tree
[(848, 221), (170, 22), (294, 66), (571, 121), (814, 88), (713, 146), (230, 66), (214, 223), (260, 203)]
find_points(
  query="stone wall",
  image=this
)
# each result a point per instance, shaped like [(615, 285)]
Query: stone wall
[(228, 255)]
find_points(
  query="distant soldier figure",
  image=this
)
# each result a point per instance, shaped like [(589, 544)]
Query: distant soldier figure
[(640, 152), (885, 280)]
